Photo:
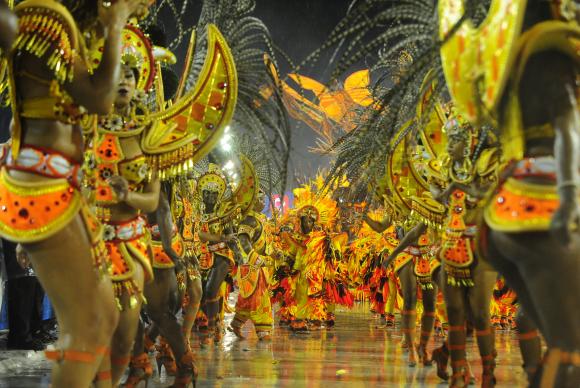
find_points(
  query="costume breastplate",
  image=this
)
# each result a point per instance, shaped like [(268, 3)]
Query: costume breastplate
[(110, 160), (477, 61)]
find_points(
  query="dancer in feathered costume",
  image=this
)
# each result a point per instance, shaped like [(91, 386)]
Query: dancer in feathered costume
[(253, 254), (253, 274), (491, 98), (315, 252), (283, 271)]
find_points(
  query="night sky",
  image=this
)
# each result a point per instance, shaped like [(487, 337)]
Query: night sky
[(299, 27)]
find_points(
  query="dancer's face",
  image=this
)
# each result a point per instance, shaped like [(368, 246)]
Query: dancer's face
[(260, 202), (456, 147), (209, 199), (126, 87), (306, 224)]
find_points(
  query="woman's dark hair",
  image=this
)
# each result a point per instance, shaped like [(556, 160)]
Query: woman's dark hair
[(85, 12), (157, 34)]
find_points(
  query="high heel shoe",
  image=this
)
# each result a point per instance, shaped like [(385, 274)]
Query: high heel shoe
[(140, 370), (236, 330), (165, 358), (186, 372), (487, 378), (460, 377), (412, 359), (441, 358), (423, 355)]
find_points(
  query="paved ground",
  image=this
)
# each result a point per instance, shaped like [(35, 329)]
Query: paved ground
[(354, 354)]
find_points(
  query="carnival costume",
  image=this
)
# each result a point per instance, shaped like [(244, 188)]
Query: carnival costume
[(37, 209), (252, 278), (218, 221), (527, 197), (169, 143), (34, 211)]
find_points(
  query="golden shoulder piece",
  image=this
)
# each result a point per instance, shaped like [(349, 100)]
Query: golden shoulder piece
[(428, 211), (247, 191), (477, 60), (185, 132)]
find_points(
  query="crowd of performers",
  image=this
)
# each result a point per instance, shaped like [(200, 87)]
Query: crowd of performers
[(464, 162)]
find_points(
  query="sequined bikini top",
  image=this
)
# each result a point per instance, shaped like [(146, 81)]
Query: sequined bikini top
[(110, 160)]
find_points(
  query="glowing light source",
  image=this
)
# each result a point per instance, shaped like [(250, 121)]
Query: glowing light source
[(229, 165)]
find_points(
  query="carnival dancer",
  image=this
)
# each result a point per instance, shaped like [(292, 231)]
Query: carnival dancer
[(539, 137), (214, 238), (183, 209), (531, 61), (312, 247), (133, 149), (471, 167), (50, 79), (425, 267), (253, 275), (124, 188), (283, 276)]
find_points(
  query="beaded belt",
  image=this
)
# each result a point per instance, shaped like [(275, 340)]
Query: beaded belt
[(156, 234), (413, 251), (217, 247), (48, 163), (125, 231), (542, 166)]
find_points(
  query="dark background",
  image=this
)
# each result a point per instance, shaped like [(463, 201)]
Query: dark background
[(298, 27)]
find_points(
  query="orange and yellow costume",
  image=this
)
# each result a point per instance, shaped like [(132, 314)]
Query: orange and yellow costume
[(253, 280), (35, 210)]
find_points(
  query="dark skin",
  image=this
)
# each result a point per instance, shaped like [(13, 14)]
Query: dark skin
[(8, 27), (63, 262), (468, 301), (377, 226), (534, 261), (408, 284), (307, 224), (245, 241), (221, 266), (128, 206)]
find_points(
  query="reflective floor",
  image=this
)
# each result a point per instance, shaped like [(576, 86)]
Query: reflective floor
[(353, 354)]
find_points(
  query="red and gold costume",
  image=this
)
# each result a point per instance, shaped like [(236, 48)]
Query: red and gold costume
[(283, 279), (316, 286), (253, 279)]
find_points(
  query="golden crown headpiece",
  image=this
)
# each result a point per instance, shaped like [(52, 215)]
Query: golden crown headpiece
[(213, 180), (137, 53)]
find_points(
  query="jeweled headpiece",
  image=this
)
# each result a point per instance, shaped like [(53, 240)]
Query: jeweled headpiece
[(137, 53), (213, 180)]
